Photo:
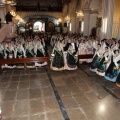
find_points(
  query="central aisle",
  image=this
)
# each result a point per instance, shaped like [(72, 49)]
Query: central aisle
[(73, 95)]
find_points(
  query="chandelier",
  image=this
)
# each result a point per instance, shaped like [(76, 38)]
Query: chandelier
[(8, 2), (80, 15), (67, 18), (13, 13)]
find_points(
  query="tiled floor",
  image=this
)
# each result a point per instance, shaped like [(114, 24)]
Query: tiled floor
[(29, 95)]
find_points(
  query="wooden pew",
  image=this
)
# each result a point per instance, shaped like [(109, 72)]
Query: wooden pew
[(86, 56), (37, 59), (24, 60)]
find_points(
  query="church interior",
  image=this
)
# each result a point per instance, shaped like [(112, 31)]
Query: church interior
[(59, 59)]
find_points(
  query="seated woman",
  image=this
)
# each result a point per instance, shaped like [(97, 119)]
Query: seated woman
[(103, 65), (57, 57), (44, 46), (96, 58), (39, 52), (29, 53), (71, 59), (113, 70), (2, 54), (82, 50), (30, 50), (9, 54), (20, 52), (89, 47)]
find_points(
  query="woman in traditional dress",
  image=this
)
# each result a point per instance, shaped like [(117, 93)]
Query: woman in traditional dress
[(30, 50), (71, 59), (114, 46), (96, 58), (103, 45), (94, 43), (113, 70), (9, 54), (57, 57), (2, 53), (20, 51), (82, 50), (104, 63), (89, 47), (44, 46), (10, 51), (39, 52)]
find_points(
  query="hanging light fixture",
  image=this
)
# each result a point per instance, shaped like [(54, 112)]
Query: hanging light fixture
[(67, 18), (8, 2), (13, 13), (80, 15)]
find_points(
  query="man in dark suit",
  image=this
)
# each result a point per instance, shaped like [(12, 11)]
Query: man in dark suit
[(72, 42)]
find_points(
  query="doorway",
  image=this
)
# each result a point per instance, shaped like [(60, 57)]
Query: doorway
[(39, 26)]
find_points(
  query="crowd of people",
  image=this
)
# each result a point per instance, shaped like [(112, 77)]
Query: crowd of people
[(23, 47), (64, 49), (106, 60)]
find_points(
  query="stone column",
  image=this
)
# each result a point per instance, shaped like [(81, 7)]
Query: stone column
[(8, 8), (110, 19), (2, 13), (73, 23), (77, 26), (86, 22), (118, 37), (107, 24)]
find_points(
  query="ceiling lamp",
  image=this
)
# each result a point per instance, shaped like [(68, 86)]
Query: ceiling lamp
[(13, 13), (8, 2), (67, 18), (80, 15), (11, 2)]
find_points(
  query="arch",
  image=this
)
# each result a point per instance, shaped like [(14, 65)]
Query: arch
[(38, 16), (23, 15)]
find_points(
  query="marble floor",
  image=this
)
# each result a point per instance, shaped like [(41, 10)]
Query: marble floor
[(42, 94)]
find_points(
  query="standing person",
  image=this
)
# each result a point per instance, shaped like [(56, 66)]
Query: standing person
[(57, 57), (113, 70)]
